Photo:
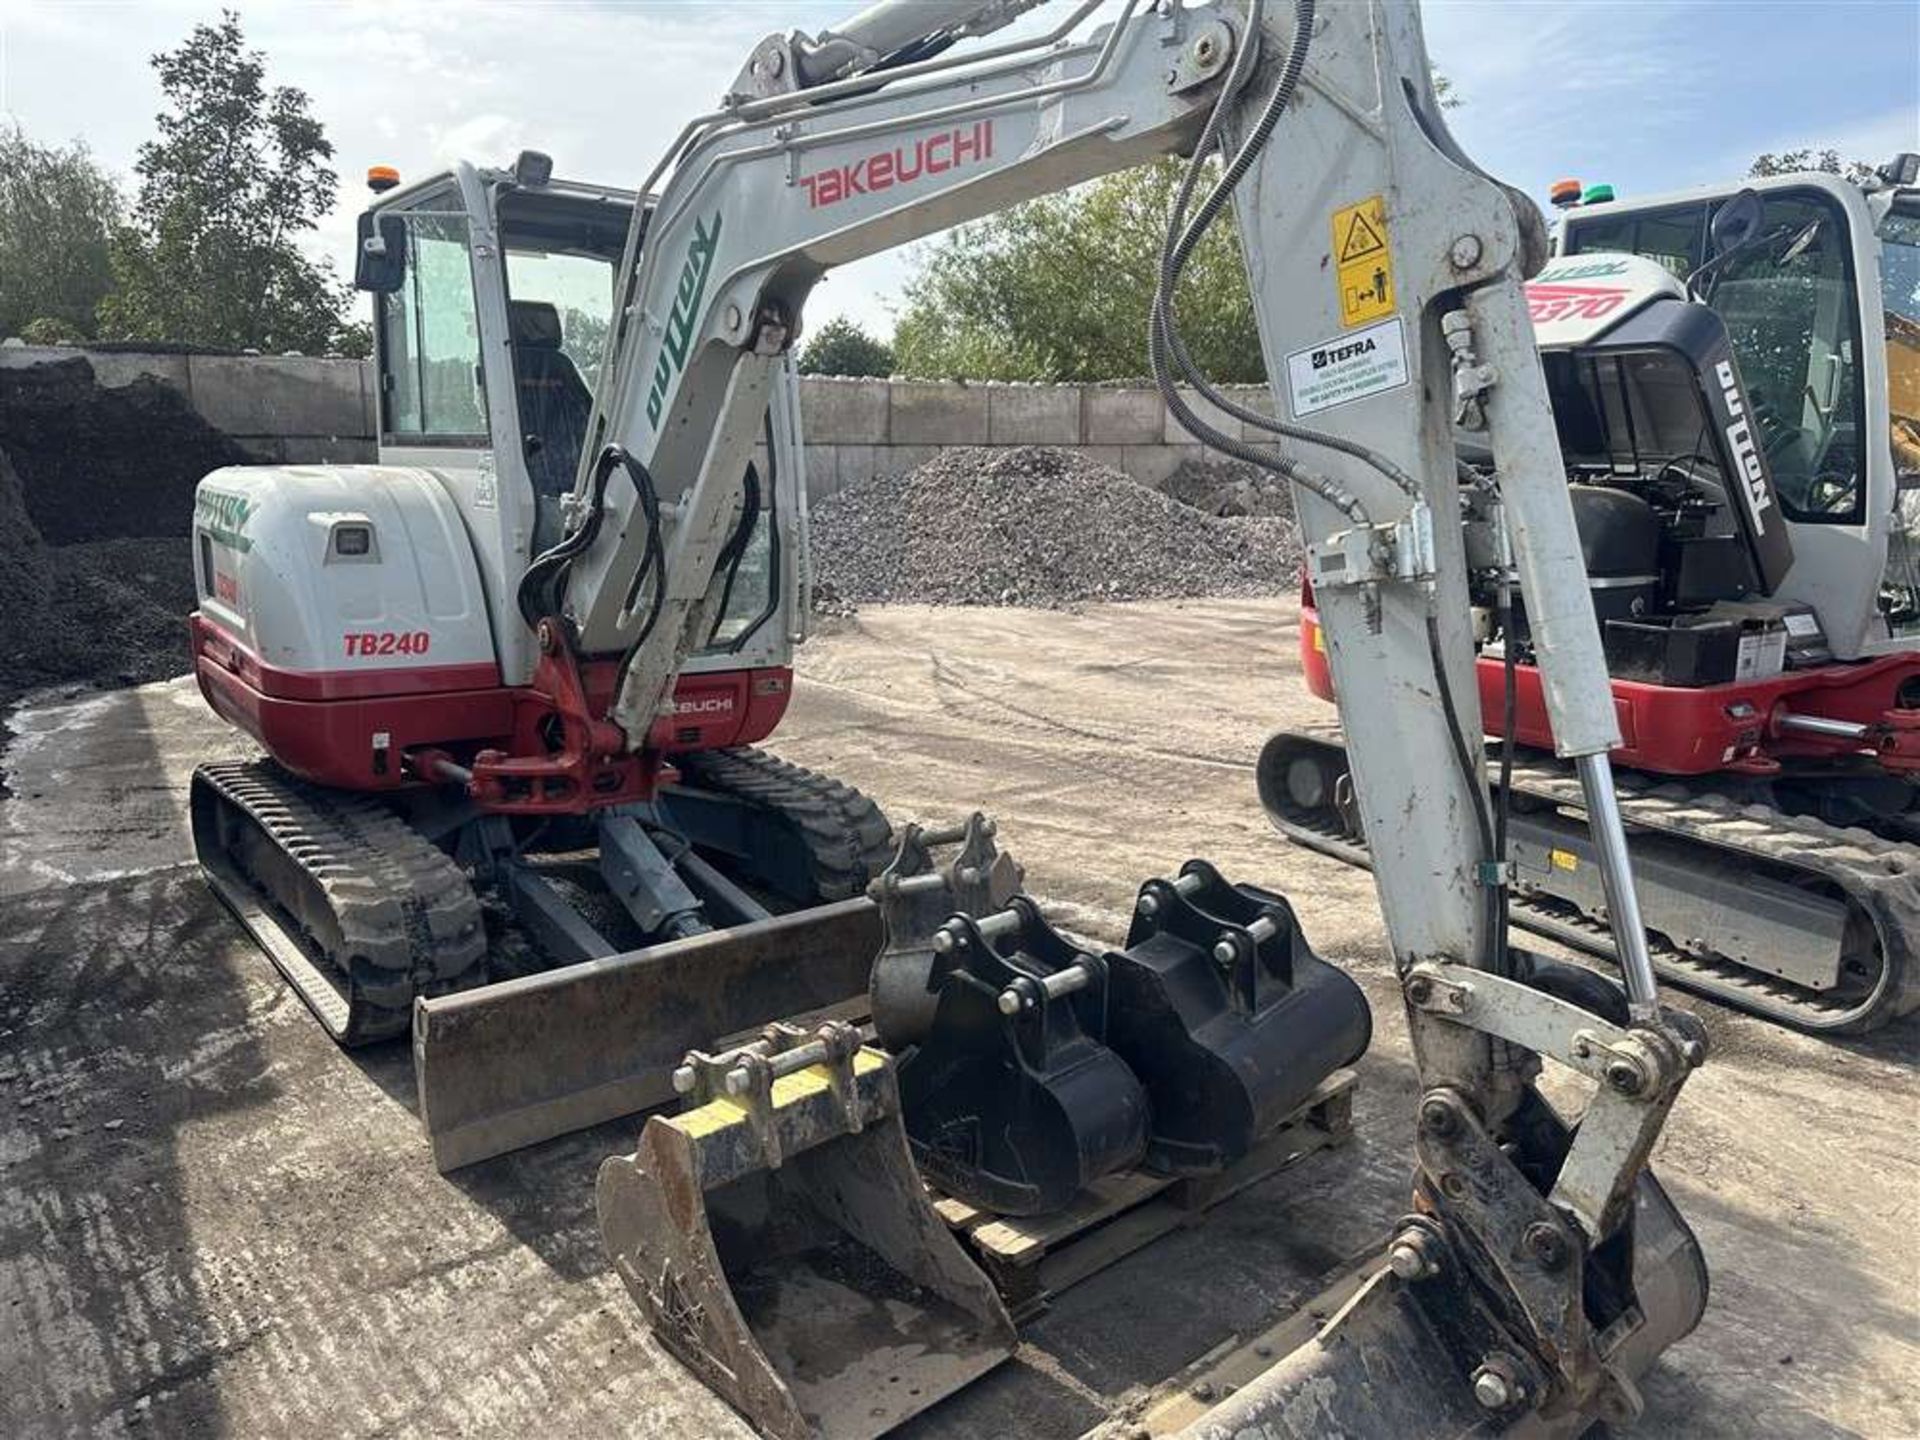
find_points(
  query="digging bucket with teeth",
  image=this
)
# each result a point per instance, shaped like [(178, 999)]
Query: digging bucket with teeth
[(781, 1244)]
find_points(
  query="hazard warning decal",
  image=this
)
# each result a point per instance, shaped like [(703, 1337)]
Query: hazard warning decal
[(1363, 264)]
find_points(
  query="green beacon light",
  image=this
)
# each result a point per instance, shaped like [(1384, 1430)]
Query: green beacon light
[(1597, 195)]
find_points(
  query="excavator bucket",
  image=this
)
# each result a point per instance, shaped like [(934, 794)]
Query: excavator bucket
[(781, 1244), (1419, 1359)]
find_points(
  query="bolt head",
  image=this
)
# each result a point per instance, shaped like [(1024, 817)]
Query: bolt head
[(1438, 1118), (1694, 1053), (1420, 989), (1407, 1262), (1492, 1389), (943, 942), (1010, 1003), (1453, 1186), (1465, 252), (683, 1080), (1625, 1077), (1225, 953), (737, 1082), (1546, 1245), (1149, 906), (734, 317)]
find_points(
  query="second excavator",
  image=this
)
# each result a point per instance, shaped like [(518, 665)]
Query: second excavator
[(1736, 380)]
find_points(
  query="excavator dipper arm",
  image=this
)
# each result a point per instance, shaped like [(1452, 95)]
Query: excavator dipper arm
[(1542, 1269)]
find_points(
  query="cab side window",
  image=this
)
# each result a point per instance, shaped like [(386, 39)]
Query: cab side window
[(430, 373)]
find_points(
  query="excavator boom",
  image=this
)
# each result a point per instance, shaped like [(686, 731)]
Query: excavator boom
[(1542, 1269)]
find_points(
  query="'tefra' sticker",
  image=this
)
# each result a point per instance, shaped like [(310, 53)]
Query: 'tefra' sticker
[(1348, 367)]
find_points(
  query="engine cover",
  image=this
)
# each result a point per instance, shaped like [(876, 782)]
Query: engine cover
[(347, 577)]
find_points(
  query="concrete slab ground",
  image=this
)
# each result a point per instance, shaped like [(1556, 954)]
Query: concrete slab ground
[(214, 1223)]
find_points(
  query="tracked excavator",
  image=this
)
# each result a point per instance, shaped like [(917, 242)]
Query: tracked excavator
[(1750, 553), (472, 684)]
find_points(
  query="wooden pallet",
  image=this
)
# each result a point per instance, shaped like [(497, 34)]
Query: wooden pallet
[(1032, 1259)]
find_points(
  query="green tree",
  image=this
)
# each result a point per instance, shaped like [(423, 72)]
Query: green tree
[(843, 347), (1060, 289), (586, 339), (58, 209), (1787, 162), (237, 174)]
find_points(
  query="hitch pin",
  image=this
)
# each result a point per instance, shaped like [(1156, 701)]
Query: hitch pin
[(1064, 981), (1261, 930)]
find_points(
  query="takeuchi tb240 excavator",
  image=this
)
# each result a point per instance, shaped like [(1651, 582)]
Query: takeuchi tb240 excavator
[(514, 660), (1753, 555)]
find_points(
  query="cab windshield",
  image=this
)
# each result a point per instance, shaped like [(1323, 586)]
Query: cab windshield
[(562, 254), (1787, 300)]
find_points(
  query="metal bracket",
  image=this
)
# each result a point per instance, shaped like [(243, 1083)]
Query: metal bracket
[(1639, 1072), (915, 899), (1201, 58), (1475, 1185), (1400, 549), (746, 1076), (1544, 1024)]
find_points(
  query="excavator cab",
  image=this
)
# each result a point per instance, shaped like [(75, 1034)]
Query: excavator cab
[(519, 264), (1828, 353)]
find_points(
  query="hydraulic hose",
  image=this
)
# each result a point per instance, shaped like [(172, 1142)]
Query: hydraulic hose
[(1179, 244), (1164, 341)]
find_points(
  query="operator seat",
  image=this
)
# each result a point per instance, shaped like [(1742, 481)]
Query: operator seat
[(555, 402)]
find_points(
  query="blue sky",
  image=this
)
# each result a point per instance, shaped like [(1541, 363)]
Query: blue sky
[(1648, 96)]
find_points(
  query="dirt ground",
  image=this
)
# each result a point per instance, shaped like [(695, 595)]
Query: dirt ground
[(212, 1222)]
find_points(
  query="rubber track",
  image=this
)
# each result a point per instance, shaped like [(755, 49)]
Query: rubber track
[(1880, 878), (849, 840), (383, 915)]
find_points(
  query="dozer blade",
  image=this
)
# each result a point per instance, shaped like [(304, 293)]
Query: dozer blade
[(527, 1059), (782, 1246)]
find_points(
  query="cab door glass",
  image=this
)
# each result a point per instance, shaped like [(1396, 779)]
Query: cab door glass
[(430, 340), (1900, 310), (1788, 303)]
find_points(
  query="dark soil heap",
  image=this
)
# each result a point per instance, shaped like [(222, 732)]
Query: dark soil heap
[(96, 508), (1035, 527)]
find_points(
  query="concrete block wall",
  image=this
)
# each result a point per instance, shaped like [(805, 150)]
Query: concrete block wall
[(296, 409), (857, 429), (289, 409)]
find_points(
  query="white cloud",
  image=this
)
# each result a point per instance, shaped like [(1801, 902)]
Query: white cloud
[(1614, 92)]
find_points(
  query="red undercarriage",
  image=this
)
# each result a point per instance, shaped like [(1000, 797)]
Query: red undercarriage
[(534, 749), (1671, 730)]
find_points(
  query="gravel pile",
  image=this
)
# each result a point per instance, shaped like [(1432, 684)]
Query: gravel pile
[(1230, 487), (100, 463), (1035, 527)]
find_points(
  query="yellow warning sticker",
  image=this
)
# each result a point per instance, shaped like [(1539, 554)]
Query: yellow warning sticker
[(1362, 262), (1563, 859)]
